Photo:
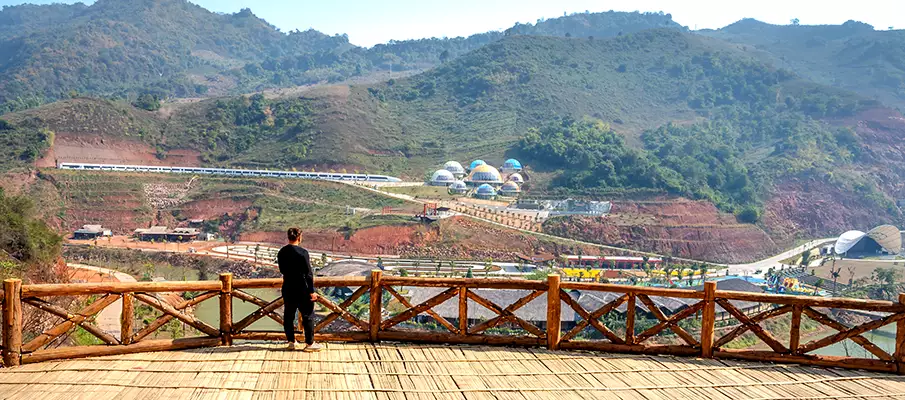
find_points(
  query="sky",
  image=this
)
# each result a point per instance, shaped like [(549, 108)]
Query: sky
[(369, 22)]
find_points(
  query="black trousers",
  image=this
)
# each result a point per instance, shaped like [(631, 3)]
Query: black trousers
[(301, 302)]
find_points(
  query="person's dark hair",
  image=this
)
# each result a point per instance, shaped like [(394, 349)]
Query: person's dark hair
[(293, 234)]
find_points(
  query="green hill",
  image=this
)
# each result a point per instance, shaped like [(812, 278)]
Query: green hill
[(659, 112), (852, 56), (173, 48), (690, 115)]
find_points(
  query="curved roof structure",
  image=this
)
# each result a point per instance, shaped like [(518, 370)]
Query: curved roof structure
[(486, 190), (458, 187), (485, 174), (510, 188), (454, 167), (442, 177), (517, 178), (476, 163), (512, 164), (887, 237)]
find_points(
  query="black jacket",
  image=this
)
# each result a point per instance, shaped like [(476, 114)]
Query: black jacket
[(295, 265)]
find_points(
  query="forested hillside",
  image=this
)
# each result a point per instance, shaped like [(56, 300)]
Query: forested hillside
[(173, 48), (669, 111), (853, 56)]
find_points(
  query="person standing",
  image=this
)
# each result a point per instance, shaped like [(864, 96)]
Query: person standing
[(298, 290)]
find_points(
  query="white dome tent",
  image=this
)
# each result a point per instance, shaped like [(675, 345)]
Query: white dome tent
[(458, 187), (457, 170), (886, 238), (442, 177)]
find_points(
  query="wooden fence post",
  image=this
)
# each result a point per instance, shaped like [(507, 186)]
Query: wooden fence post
[(374, 312), (630, 319), (795, 329), (708, 320), (554, 312), (463, 310), (899, 355), (226, 309), (126, 318), (12, 322)]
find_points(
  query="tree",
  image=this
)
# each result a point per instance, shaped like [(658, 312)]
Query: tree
[(444, 56), (667, 270), (835, 274), (748, 215), (324, 259), (403, 272), (469, 273), (147, 102), (818, 285), (703, 273), (795, 21), (805, 257)]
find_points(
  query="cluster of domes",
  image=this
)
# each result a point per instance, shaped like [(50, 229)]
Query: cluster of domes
[(486, 180)]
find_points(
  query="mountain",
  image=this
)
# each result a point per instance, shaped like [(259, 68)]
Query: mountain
[(660, 111), (173, 48), (852, 56)]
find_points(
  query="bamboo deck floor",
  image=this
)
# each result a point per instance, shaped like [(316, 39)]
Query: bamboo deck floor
[(407, 371)]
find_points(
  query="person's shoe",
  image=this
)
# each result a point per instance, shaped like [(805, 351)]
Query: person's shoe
[(293, 346), (314, 347)]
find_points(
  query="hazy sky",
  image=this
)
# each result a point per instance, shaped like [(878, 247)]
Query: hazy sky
[(368, 22)]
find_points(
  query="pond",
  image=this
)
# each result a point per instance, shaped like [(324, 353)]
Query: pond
[(209, 311)]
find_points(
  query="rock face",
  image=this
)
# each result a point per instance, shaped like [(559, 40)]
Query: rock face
[(681, 228)]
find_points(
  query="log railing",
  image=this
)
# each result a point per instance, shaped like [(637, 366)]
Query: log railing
[(364, 314)]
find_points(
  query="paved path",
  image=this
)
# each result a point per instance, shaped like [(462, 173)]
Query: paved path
[(750, 269), (109, 318)]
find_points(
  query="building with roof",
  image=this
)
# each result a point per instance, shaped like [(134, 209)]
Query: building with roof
[(91, 232), (442, 177), (162, 234), (475, 164), (510, 189), (517, 178), (484, 174), (511, 166), (457, 170), (882, 239), (458, 187), (485, 192)]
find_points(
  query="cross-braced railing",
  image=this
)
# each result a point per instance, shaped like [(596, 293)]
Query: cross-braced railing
[(568, 315)]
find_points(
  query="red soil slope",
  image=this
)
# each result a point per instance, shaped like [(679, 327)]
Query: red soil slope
[(682, 228)]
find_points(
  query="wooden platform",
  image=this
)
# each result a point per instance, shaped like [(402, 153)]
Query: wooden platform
[(406, 371)]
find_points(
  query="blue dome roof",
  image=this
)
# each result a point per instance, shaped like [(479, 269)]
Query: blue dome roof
[(475, 163), (512, 163), (486, 190)]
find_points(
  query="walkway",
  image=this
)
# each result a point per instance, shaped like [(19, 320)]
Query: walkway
[(109, 318), (404, 371)]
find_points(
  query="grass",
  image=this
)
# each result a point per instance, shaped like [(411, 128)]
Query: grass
[(423, 192)]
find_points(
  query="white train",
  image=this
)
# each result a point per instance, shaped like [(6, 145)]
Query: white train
[(326, 176)]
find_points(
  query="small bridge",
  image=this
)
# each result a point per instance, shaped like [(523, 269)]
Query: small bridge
[(377, 349)]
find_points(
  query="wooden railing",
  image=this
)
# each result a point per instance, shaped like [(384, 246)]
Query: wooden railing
[(590, 331)]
